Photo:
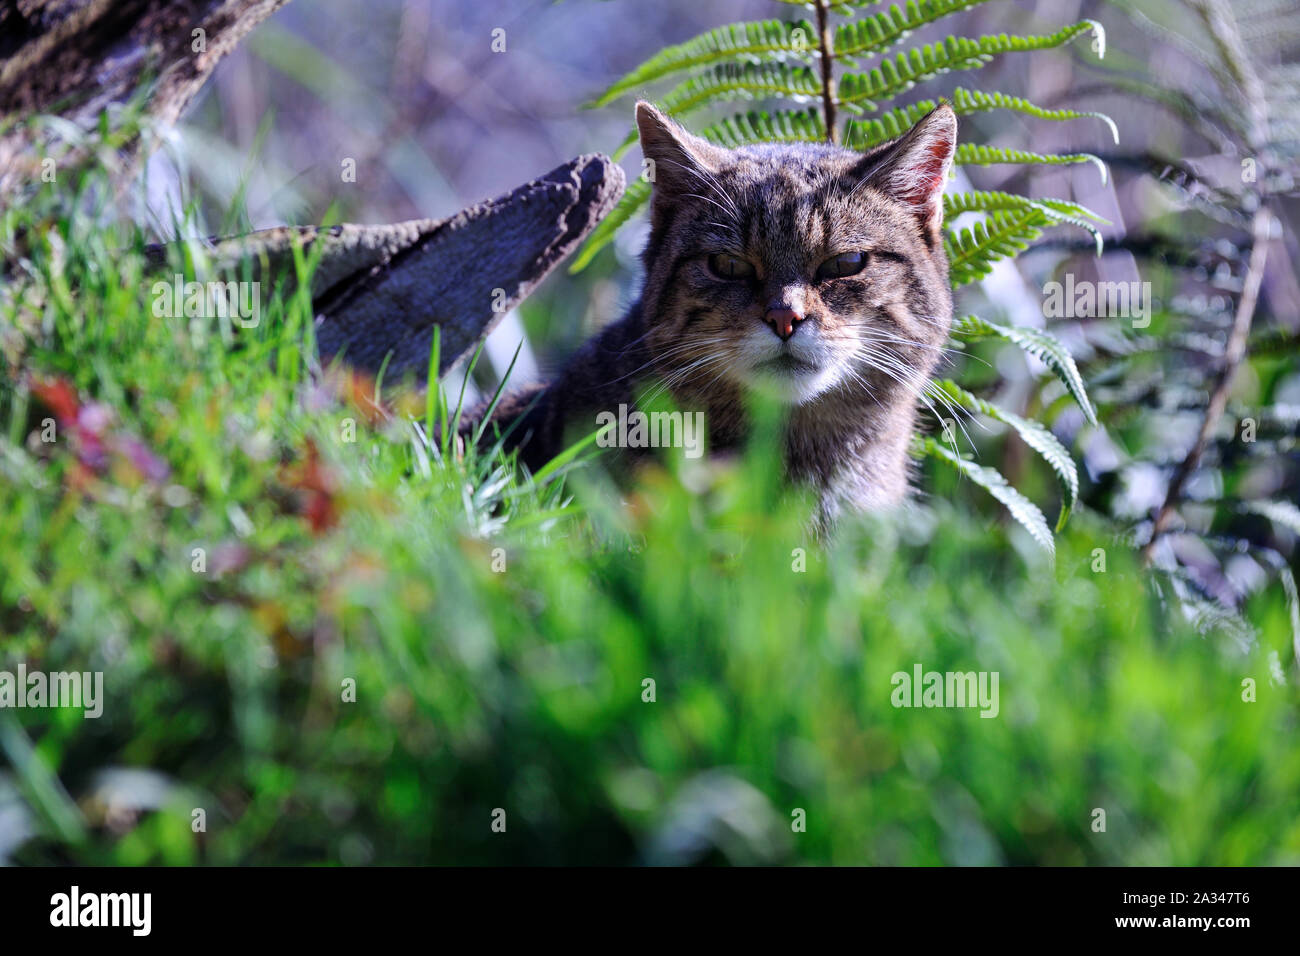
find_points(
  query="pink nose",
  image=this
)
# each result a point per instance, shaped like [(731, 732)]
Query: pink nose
[(783, 321)]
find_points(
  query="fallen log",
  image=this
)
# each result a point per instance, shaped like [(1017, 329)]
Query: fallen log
[(379, 291), (77, 58)]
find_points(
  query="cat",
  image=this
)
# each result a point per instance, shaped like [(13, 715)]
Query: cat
[(809, 271)]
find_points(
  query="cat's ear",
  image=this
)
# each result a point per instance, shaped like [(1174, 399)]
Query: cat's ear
[(914, 169), (675, 160)]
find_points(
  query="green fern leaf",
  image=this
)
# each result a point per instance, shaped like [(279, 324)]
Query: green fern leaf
[(965, 102), (1033, 434), (876, 33), (973, 251), (1044, 346), (737, 41), (957, 203), (864, 134), (992, 481), (867, 134), (974, 154), (731, 81), (735, 80), (785, 126), (1058, 210), (894, 76)]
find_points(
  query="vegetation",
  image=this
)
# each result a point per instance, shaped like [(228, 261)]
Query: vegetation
[(346, 642)]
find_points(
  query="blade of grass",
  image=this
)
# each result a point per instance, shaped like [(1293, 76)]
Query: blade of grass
[(496, 396), (460, 402), (566, 457), (433, 388)]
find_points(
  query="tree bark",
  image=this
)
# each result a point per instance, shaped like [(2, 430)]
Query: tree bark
[(76, 58)]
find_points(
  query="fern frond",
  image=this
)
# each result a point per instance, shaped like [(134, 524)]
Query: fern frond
[(1059, 210), (973, 251), (878, 32), (730, 81), (1041, 344), (975, 154), (893, 76), (1033, 434), (865, 134), (979, 201), (783, 126), (965, 102), (734, 80), (737, 41), (992, 481)]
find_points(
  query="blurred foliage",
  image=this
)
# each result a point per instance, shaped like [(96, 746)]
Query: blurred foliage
[(515, 679), (1235, 520), (500, 627)]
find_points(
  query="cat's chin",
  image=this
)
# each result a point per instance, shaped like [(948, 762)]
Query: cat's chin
[(790, 382)]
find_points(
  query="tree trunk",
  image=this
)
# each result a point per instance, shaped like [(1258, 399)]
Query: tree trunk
[(76, 58)]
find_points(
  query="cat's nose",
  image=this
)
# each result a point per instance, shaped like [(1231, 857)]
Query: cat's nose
[(783, 322)]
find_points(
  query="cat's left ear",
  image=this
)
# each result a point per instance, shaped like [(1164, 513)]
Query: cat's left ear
[(914, 169), (680, 160)]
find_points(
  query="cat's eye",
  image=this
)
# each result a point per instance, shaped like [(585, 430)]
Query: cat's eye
[(729, 267), (843, 265)]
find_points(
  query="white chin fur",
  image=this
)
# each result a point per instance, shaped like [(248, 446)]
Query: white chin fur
[(792, 388)]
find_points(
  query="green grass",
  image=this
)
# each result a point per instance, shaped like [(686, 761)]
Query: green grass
[(523, 689)]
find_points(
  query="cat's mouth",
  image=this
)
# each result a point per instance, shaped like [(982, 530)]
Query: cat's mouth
[(793, 375), (786, 364)]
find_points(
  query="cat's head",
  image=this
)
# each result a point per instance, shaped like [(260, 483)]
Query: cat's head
[(796, 268)]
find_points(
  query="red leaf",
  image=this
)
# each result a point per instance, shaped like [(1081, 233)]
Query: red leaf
[(317, 485), (59, 397)]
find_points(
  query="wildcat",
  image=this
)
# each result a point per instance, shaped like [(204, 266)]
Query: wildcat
[(808, 271)]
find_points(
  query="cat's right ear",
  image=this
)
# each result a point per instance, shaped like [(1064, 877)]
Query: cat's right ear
[(914, 168), (674, 160)]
